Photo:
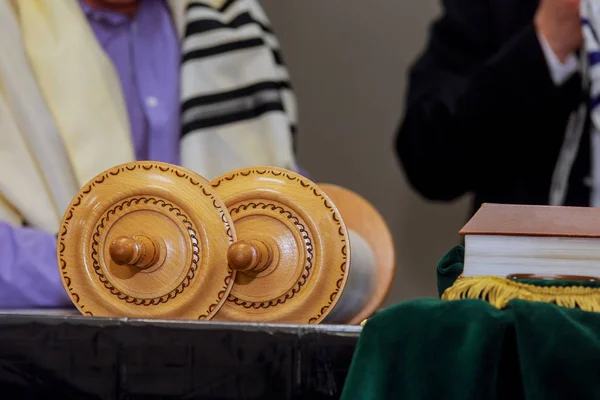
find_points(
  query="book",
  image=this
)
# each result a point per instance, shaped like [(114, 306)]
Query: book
[(553, 242)]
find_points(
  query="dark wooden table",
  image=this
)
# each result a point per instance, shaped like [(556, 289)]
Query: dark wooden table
[(74, 357)]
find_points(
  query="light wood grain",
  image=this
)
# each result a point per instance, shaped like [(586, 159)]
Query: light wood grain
[(147, 240), (152, 240), (307, 243), (362, 217)]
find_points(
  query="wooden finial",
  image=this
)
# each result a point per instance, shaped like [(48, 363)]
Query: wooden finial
[(249, 255), (307, 240), (147, 240), (135, 251)]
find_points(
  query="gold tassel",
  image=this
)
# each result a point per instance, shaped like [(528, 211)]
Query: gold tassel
[(499, 291)]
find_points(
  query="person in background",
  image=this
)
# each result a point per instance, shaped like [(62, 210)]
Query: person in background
[(496, 106), (89, 84)]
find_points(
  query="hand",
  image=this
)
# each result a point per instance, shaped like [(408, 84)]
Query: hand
[(559, 22)]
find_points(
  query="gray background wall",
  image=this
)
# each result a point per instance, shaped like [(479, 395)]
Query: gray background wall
[(348, 60)]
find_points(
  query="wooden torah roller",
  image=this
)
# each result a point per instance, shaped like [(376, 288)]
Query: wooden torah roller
[(146, 240), (300, 258), (372, 247), (153, 240)]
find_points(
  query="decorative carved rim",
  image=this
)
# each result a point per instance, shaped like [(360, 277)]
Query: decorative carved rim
[(220, 296), (156, 300), (307, 268), (305, 184), (102, 178), (333, 295)]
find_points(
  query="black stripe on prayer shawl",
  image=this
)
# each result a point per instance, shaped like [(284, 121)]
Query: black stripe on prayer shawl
[(277, 56), (594, 58), (207, 25), (244, 92), (245, 18), (197, 5), (242, 115), (227, 4), (223, 8), (235, 102), (294, 132), (587, 23), (223, 48)]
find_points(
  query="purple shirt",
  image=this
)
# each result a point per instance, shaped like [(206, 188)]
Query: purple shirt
[(146, 56), (145, 53)]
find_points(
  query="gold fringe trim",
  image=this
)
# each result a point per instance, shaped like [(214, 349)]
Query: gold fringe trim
[(499, 291)]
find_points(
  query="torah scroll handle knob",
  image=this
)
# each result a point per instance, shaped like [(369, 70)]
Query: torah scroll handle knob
[(135, 251), (249, 255)]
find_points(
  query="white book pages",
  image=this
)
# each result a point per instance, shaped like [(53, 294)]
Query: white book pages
[(498, 255)]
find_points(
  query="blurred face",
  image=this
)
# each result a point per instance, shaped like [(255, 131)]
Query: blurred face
[(119, 2), (127, 7)]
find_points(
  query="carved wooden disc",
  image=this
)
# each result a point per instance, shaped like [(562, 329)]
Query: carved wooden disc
[(147, 240), (302, 276), (361, 217)]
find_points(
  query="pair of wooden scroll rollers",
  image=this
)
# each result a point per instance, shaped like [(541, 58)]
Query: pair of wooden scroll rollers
[(153, 240)]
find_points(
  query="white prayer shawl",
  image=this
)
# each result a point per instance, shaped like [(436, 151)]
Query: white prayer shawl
[(590, 73), (213, 103), (63, 119), (590, 16)]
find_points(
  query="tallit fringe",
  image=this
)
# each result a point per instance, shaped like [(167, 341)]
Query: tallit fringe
[(499, 291)]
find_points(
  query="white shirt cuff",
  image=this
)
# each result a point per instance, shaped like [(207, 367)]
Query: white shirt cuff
[(560, 72)]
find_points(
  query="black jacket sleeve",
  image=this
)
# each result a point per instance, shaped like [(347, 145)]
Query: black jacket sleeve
[(465, 100)]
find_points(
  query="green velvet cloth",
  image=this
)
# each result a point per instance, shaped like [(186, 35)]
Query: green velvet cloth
[(449, 268), (468, 349)]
